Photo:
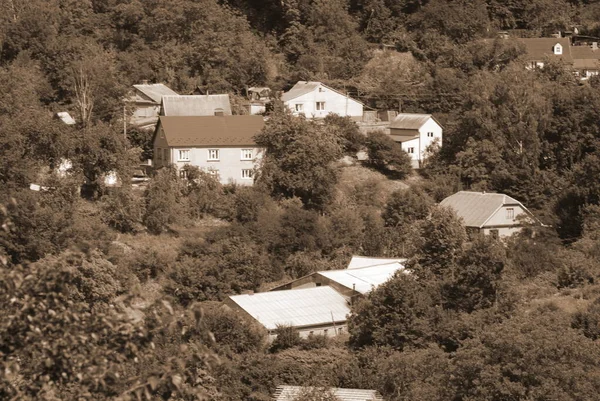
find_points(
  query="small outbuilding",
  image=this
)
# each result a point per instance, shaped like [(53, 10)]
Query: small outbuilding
[(290, 393), (416, 133)]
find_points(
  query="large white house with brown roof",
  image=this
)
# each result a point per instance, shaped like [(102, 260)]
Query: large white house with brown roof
[(221, 145), (315, 100), (492, 214), (416, 133)]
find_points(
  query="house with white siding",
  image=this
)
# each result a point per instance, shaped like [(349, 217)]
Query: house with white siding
[(487, 213), (316, 100), (220, 145), (416, 133)]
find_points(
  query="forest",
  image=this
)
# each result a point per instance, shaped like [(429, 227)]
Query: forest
[(116, 293)]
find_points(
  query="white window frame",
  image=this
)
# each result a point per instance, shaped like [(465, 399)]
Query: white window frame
[(247, 174), (320, 106), (184, 155), (214, 172), (299, 107), (410, 150), (246, 154), (430, 134), (558, 49), (183, 174), (213, 155)]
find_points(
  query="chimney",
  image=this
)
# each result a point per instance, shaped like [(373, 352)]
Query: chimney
[(594, 46), (144, 82), (219, 112)]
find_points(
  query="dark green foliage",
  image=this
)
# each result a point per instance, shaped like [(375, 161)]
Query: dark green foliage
[(298, 159), (588, 321), (163, 201), (347, 131), (123, 210), (406, 206), (232, 332), (287, 337), (386, 155)]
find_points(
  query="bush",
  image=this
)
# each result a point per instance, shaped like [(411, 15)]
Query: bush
[(386, 155), (287, 337), (122, 210)]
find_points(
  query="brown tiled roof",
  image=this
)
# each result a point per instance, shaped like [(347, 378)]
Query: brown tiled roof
[(211, 130), (540, 48)]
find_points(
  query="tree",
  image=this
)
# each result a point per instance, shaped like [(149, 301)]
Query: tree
[(406, 206), (298, 159), (163, 201), (347, 131), (386, 155)]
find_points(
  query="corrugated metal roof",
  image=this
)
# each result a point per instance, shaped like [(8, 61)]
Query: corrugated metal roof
[(195, 105), (155, 91), (410, 121), (475, 208), (539, 48), (211, 130), (290, 393), (364, 279), (358, 262), (298, 308), (65, 117)]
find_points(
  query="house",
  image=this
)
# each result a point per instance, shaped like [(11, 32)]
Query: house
[(221, 145), (586, 60), (315, 100), (349, 282), (145, 101), (416, 133), (492, 214), (195, 105), (541, 50), (290, 393), (319, 310)]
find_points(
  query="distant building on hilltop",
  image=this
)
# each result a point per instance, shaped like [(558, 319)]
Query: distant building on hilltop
[(316, 100), (145, 102), (195, 105), (486, 213)]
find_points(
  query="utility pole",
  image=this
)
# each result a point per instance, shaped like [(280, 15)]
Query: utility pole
[(125, 121)]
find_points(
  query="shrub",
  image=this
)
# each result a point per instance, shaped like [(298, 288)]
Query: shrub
[(122, 210), (287, 337), (386, 155)]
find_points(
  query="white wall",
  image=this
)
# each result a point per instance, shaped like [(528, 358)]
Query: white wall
[(421, 143), (334, 103), (229, 165), (329, 331)]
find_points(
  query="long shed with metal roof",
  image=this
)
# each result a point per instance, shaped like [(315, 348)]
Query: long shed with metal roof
[(290, 393)]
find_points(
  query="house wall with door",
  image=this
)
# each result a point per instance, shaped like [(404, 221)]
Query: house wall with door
[(416, 141)]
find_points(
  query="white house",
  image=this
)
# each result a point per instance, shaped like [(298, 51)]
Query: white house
[(315, 100), (221, 145), (416, 132), (492, 214)]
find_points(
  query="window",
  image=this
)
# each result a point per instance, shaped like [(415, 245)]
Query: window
[(166, 155), (246, 154), (325, 332), (299, 107), (321, 89), (213, 154), (182, 173), (340, 330), (158, 154), (184, 155), (494, 234), (558, 49), (410, 150), (318, 284), (321, 106), (214, 172), (510, 213), (430, 134), (247, 173)]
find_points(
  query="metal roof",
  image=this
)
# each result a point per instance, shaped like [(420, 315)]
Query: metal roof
[(358, 262), (155, 91), (299, 308), (305, 87), (410, 121), (363, 279), (475, 208), (195, 105), (65, 117), (211, 130), (290, 393)]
